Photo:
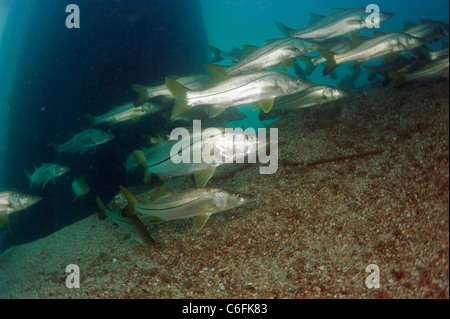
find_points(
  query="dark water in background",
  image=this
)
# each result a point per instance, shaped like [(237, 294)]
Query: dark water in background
[(62, 74)]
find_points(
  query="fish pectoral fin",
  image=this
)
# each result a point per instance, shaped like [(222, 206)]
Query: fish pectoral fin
[(266, 105), (158, 193), (156, 220), (164, 178), (126, 237), (354, 22), (286, 64), (203, 175), (200, 221), (314, 108), (3, 218)]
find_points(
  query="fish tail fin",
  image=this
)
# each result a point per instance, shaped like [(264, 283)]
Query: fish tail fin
[(309, 64), (143, 94), (331, 61), (28, 176), (101, 206), (129, 210), (399, 78), (372, 72), (147, 177), (284, 29), (91, 119), (55, 147), (140, 157), (217, 54)]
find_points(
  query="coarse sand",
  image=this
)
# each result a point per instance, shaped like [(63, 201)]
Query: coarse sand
[(363, 180)]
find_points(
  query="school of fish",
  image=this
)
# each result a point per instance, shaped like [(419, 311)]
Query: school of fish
[(272, 77)]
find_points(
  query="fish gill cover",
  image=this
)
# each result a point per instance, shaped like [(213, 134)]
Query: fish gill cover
[(63, 74)]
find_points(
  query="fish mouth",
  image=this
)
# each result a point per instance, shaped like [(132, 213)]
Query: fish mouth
[(34, 200)]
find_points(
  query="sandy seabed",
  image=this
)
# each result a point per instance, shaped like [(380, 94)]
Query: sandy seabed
[(364, 180)]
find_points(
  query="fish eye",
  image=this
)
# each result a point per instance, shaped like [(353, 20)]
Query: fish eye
[(238, 195)]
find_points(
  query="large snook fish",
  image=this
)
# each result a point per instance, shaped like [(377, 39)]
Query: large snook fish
[(126, 112), (131, 224), (85, 140), (45, 173), (381, 45), (277, 52), (312, 97), (199, 204), (11, 202), (262, 87), (427, 30), (429, 71), (228, 146), (341, 22)]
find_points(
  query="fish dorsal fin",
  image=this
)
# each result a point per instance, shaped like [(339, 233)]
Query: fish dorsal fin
[(248, 49), (357, 40), (203, 175), (200, 221), (217, 72), (271, 40), (177, 89), (408, 25), (158, 193), (314, 17), (235, 50)]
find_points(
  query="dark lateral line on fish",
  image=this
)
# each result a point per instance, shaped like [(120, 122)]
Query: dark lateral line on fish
[(172, 207), (334, 159), (271, 49), (74, 142), (166, 159), (235, 88)]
